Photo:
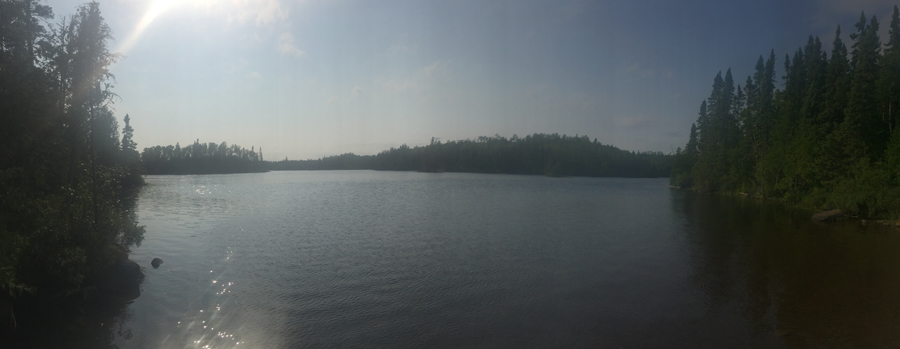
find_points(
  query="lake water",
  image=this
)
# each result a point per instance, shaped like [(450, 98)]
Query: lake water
[(404, 259)]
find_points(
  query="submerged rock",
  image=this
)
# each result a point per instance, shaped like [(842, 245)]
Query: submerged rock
[(827, 216), (156, 262)]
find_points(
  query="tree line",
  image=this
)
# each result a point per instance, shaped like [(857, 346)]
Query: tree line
[(202, 158), (825, 137), (64, 169), (537, 154), (348, 161)]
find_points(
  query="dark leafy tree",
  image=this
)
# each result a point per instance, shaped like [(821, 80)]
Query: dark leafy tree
[(62, 221)]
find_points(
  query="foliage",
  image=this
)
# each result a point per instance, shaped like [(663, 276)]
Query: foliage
[(63, 169), (826, 138)]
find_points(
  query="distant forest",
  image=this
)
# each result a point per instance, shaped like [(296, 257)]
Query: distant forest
[(537, 154), (202, 158), (826, 138)]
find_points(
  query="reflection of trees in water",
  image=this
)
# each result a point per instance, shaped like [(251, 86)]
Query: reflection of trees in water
[(71, 323), (813, 285), (842, 287), (721, 236)]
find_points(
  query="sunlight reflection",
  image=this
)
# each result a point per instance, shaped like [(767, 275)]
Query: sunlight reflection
[(209, 337), (155, 9), (214, 329)]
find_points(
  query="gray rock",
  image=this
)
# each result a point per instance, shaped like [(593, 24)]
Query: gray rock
[(156, 262), (826, 216)]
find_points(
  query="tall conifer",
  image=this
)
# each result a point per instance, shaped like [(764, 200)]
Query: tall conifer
[(862, 114), (889, 79)]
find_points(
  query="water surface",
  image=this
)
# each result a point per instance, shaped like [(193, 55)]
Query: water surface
[(403, 259)]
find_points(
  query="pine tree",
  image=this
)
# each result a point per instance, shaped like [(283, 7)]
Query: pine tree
[(128, 145), (815, 65), (863, 117), (764, 79), (889, 78), (727, 110), (837, 85), (691, 148), (703, 127)]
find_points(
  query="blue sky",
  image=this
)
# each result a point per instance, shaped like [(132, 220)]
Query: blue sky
[(305, 79)]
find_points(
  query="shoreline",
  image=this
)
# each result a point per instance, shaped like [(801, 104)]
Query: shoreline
[(816, 210)]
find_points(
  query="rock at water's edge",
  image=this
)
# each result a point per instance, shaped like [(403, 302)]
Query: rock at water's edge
[(156, 262), (827, 216), (123, 282)]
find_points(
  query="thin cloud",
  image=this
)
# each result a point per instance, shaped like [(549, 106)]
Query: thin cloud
[(830, 12), (264, 12), (672, 134), (629, 122), (287, 48), (400, 50), (637, 70), (424, 77), (843, 7), (435, 68)]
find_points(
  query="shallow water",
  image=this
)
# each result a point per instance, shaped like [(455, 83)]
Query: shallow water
[(403, 259)]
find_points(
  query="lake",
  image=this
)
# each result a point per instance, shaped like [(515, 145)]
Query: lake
[(405, 259)]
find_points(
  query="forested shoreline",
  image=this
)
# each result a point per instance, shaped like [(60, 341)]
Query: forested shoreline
[(537, 154), (202, 158), (65, 173), (827, 138)]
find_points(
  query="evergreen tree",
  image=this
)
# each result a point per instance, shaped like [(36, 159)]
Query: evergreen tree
[(862, 117), (61, 179), (816, 63), (128, 144), (889, 79), (707, 144), (837, 85), (691, 148), (703, 127), (827, 138)]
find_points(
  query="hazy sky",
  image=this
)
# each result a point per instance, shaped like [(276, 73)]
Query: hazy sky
[(304, 79)]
